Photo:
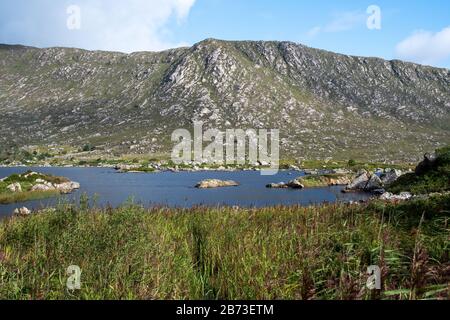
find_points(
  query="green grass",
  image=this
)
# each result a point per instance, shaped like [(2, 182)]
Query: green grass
[(6, 198), (435, 179), (224, 253)]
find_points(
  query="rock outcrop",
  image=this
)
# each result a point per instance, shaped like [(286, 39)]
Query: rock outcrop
[(279, 185), (42, 187), (215, 183), (65, 187), (375, 182), (15, 187), (360, 182), (293, 184), (24, 211), (394, 197), (387, 178)]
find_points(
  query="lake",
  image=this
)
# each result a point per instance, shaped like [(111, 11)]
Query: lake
[(177, 189)]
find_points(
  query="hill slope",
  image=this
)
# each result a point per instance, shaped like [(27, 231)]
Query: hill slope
[(326, 104)]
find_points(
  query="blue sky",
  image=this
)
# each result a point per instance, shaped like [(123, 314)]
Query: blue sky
[(417, 31)]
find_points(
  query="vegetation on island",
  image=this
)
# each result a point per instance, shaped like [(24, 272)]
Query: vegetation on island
[(23, 187)]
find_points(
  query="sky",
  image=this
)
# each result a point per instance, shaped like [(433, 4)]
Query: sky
[(417, 31)]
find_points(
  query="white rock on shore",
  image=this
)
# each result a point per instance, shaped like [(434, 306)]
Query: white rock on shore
[(66, 187), (24, 211), (15, 187), (388, 196)]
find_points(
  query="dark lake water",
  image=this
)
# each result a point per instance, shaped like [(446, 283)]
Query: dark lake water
[(177, 189)]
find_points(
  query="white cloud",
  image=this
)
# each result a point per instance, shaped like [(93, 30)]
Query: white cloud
[(340, 22), (314, 31), (425, 47), (132, 25)]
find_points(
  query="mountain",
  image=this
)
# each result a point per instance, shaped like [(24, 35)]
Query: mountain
[(325, 104)]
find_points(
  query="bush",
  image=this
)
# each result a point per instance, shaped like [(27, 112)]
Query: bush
[(432, 178), (88, 147)]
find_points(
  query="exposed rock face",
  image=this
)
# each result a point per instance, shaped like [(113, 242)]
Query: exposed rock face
[(339, 181), (360, 182), (294, 184), (24, 211), (66, 187), (325, 104), (374, 183), (15, 187), (215, 183), (126, 167), (390, 177), (43, 187)]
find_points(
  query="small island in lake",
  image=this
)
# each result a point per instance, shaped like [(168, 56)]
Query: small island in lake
[(32, 186)]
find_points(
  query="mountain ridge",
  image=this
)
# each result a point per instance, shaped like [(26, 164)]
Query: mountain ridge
[(327, 105), (6, 45)]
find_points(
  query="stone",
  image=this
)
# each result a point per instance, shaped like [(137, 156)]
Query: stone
[(360, 182), (42, 187), (341, 181), (15, 187), (24, 211), (67, 187), (280, 185), (388, 196), (390, 177), (295, 184), (373, 183), (215, 183)]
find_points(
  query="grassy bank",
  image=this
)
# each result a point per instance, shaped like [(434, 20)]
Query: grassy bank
[(270, 253), (6, 198), (428, 177)]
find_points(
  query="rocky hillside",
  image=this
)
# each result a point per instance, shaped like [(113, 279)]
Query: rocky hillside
[(326, 104)]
